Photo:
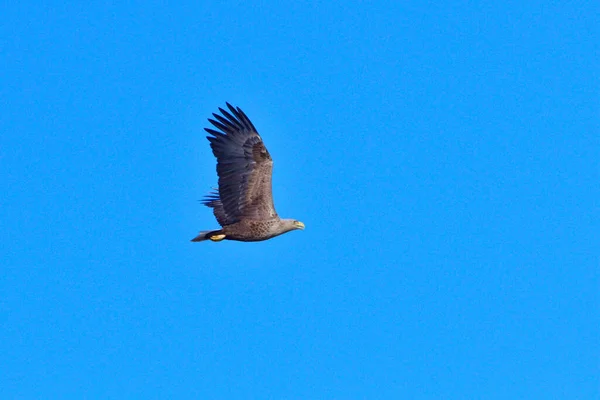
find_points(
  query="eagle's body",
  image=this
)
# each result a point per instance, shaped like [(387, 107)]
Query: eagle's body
[(250, 230), (243, 204)]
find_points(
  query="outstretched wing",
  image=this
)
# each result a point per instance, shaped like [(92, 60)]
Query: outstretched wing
[(244, 167)]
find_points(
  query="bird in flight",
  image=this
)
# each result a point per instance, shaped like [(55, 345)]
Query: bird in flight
[(243, 203)]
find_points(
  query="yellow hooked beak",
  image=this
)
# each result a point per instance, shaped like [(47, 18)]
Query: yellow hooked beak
[(298, 225)]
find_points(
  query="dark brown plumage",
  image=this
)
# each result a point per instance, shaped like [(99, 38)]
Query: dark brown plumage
[(243, 203)]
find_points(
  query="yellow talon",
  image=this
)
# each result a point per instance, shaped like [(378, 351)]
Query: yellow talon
[(217, 238)]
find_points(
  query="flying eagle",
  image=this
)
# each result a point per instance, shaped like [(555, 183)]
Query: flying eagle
[(243, 203)]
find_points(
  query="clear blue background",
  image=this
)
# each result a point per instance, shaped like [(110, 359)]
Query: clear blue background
[(443, 156)]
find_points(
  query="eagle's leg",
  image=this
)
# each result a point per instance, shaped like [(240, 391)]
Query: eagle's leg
[(217, 238)]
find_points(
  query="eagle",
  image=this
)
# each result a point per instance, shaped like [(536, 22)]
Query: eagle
[(243, 202)]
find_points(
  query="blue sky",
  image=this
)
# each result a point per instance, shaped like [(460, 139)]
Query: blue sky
[(443, 156)]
